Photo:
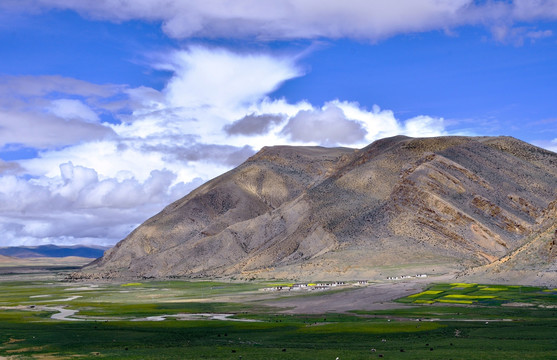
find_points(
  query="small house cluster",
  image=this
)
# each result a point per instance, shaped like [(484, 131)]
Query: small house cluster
[(402, 277), (306, 286)]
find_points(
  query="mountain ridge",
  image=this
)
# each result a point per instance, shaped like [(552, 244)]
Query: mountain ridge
[(450, 203), (52, 251)]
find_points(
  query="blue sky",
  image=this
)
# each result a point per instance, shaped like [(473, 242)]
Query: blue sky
[(110, 111)]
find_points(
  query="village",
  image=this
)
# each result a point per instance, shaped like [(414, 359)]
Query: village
[(402, 277), (331, 285), (312, 286)]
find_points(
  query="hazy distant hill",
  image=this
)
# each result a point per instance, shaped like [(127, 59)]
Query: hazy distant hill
[(399, 205), (5, 258), (52, 251)]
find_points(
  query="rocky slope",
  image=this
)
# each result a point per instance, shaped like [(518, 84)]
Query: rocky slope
[(535, 262), (398, 205)]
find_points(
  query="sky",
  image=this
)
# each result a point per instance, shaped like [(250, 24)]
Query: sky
[(112, 109)]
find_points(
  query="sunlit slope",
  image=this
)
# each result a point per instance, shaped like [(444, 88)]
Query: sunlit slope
[(342, 213)]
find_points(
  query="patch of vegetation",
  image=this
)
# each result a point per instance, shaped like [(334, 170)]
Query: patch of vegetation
[(461, 293), (485, 330)]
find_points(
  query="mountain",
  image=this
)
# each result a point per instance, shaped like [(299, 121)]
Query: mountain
[(535, 262), (398, 206), (52, 251)]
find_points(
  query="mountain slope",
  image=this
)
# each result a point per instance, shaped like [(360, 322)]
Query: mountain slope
[(535, 262), (448, 203)]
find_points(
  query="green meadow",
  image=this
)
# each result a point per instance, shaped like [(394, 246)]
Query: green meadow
[(112, 321), (489, 295)]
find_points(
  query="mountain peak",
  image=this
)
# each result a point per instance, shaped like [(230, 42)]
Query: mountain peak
[(420, 204)]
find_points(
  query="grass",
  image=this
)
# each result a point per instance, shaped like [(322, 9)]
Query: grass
[(449, 321), (226, 340), (478, 294)]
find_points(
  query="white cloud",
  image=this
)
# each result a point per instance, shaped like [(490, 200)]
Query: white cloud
[(223, 79), (8, 167), (534, 9), (518, 35), (252, 124), (212, 115), (424, 126), (328, 126), (78, 206), (71, 109), (52, 111), (347, 123), (93, 181), (377, 123), (35, 129), (549, 145), (29, 86), (288, 19)]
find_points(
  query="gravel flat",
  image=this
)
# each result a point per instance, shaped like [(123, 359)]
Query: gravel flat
[(371, 297)]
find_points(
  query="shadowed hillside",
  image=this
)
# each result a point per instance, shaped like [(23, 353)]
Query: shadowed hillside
[(535, 262), (400, 204)]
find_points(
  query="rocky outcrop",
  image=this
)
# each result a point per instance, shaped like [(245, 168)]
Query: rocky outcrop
[(449, 203), (534, 262)]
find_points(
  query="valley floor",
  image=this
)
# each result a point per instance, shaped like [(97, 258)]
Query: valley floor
[(44, 317)]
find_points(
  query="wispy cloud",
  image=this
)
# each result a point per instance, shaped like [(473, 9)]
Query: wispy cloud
[(35, 111), (45, 131), (518, 35), (288, 19)]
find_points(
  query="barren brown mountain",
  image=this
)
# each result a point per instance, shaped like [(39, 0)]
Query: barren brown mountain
[(398, 206)]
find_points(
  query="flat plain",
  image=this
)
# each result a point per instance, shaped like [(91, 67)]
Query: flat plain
[(42, 316)]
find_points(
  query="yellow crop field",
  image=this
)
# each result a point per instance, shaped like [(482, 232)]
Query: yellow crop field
[(455, 301), (428, 292), (471, 297)]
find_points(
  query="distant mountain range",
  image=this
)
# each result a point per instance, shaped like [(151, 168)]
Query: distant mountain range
[(399, 206), (52, 251)]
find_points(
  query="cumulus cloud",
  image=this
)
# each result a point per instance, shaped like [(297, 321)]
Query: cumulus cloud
[(7, 167), (67, 209), (328, 126), (227, 155), (424, 126), (347, 123), (288, 19), (252, 124), (95, 181)]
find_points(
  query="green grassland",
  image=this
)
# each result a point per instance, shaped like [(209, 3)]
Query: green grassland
[(477, 324), (493, 295)]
